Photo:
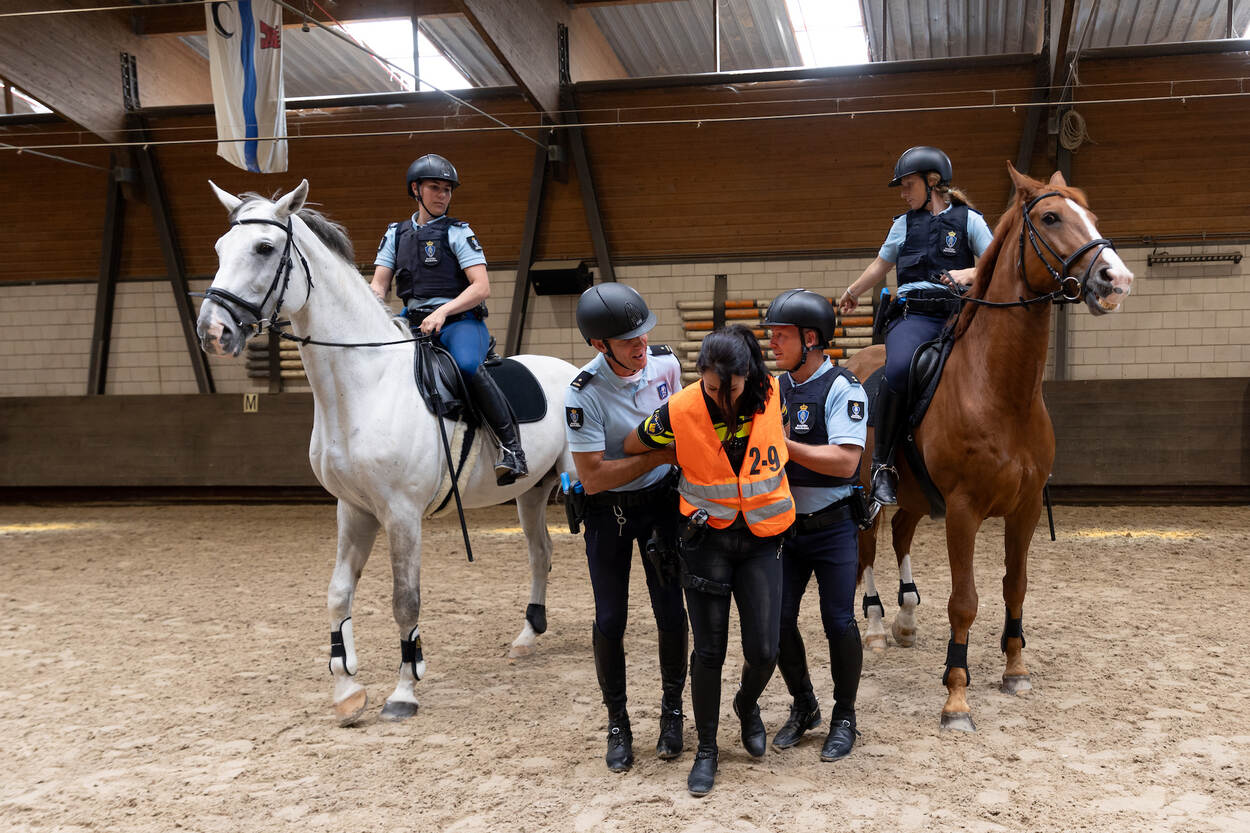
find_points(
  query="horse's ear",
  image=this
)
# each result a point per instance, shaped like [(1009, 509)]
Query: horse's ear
[(230, 201), (1018, 179), (293, 201), (1058, 180)]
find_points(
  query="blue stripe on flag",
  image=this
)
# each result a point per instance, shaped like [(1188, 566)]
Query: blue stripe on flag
[(247, 54)]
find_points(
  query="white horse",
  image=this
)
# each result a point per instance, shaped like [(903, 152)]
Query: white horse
[(374, 444)]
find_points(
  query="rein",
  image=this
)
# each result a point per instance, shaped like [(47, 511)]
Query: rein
[(232, 303), (1071, 289)]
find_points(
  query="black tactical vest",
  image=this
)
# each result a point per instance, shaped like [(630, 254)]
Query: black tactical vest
[(805, 413), (935, 243), (425, 265)]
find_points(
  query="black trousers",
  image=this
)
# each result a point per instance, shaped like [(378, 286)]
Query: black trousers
[(832, 555), (729, 564), (610, 539)]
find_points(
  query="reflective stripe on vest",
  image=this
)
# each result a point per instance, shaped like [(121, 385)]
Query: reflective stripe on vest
[(759, 490)]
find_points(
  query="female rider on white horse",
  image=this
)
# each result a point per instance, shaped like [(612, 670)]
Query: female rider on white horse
[(440, 272)]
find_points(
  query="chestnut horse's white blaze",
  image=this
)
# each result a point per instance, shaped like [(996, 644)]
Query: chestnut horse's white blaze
[(374, 444)]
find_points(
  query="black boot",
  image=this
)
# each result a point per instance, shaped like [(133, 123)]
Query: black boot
[(804, 711), (890, 408), (754, 736), (846, 661), (498, 414), (673, 656), (705, 698), (610, 666)]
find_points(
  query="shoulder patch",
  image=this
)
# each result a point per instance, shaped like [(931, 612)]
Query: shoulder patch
[(580, 380), (661, 350), (855, 409), (574, 417), (473, 244)]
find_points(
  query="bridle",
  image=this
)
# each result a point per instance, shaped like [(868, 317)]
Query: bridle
[(1071, 289), (233, 304)]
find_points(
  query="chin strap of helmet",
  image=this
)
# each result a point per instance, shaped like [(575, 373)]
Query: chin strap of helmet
[(423, 205), (803, 355)]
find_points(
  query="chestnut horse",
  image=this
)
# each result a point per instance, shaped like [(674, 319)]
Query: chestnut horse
[(986, 438)]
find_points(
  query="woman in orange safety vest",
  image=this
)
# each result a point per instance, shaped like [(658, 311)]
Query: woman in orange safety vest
[(729, 441)]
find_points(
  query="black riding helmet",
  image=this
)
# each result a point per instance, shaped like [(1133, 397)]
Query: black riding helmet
[(806, 310), (431, 166), (921, 160), (613, 310)]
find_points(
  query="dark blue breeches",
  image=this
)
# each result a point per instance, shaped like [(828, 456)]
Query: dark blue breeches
[(902, 336)]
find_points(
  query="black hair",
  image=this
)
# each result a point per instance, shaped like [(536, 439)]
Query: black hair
[(735, 351)]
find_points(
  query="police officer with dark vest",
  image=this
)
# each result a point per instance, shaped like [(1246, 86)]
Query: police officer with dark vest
[(934, 245), (440, 273), (827, 426), (628, 500)]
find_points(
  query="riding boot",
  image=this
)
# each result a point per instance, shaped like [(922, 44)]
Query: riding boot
[(890, 413), (846, 662), (804, 711), (610, 666), (673, 658), (705, 700), (746, 706), (498, 414)]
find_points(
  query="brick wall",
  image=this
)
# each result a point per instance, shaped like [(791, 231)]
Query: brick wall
[(1181, 321)]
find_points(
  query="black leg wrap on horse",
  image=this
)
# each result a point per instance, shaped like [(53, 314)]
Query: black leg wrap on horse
[(536, 615), (956, 657), (410, 652), (905, 588), (873, 601), (1013, 628), (338, 650)]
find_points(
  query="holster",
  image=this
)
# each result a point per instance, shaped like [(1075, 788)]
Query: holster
[(861, 512), (575, 510), (880, 319), (416, 315), (661, 551)]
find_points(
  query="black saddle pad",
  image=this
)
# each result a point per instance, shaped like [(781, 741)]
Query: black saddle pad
[(520, 388), (926, 371)]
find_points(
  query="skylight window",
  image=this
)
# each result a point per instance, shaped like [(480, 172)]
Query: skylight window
[(829, 32), (392, 40)]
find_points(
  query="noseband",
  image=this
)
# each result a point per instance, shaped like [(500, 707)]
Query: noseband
[(233, 304)]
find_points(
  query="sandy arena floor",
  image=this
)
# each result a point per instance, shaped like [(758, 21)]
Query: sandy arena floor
[(165, 668)]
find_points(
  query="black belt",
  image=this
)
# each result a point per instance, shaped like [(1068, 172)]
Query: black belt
[(647, 497), (834, 513)]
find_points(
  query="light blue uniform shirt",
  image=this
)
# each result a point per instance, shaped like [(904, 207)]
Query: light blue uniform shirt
[(457, 239), (608, 408), (842, 430), (979, 237)]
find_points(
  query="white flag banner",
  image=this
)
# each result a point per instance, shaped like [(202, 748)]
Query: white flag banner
[(245, 59)]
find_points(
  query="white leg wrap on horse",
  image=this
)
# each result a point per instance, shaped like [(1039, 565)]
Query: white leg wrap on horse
[(411, 655), (343, 649), (909, 596), (874, 614)]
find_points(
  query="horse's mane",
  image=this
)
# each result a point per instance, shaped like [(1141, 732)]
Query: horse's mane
[(327, 231), (989, 258)]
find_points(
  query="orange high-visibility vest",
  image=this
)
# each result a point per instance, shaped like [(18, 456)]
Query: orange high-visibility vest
[(760, 490)]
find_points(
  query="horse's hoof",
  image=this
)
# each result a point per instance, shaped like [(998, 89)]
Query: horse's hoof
[(519, 651), (875, 642), (397, 710), (350, 708), (958, 721), (903, 637), (1015, 684)]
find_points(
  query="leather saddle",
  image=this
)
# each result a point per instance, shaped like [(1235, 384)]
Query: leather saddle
[(443, 376)]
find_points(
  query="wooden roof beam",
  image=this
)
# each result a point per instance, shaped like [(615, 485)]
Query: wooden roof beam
[(189, 20), (523, 36)]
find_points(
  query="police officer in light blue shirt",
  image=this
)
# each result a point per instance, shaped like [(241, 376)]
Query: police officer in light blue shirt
[(935, 245), (440, 273), (826, 421), (628, 500)]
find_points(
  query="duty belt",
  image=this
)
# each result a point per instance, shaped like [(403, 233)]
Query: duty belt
[(647, 497), (834, 513), (936, 304)]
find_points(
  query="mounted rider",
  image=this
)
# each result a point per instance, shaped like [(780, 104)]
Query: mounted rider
[(440, 273), (935, 244)]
